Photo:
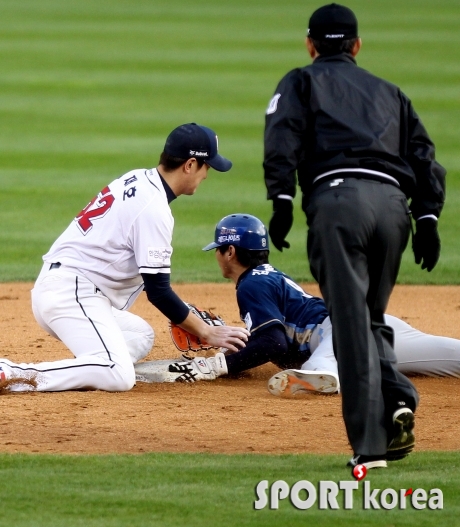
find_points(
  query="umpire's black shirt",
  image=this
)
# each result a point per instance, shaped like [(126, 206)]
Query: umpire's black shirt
[(334, 115)]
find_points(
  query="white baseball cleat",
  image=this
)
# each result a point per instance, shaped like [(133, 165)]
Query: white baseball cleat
[(15, 378), (4, 371), (200, 368), (288, 383)]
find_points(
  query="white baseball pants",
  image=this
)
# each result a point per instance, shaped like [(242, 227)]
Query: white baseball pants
[(105, 342)]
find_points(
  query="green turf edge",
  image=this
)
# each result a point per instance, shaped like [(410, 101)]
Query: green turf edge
[(208, 489)]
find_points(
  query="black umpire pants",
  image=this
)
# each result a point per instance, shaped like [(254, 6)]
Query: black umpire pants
[(358, 230)]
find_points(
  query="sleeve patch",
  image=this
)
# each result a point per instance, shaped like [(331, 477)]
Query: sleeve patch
[(273, 104), (159, 256), (248, 321)]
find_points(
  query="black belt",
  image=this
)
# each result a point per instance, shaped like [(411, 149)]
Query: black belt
[(55, 265)]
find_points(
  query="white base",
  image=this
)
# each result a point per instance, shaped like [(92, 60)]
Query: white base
[(156, 371)]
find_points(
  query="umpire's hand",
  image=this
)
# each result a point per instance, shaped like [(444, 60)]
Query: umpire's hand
[(426, 243), (281, 222)]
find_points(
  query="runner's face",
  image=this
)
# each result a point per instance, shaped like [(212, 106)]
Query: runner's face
[(222, 262)]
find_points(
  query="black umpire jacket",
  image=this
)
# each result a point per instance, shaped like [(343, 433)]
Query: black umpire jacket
[(333, 114)]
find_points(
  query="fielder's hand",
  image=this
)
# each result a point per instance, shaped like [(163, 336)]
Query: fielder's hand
[(281, 222), (230, 337), (187, 342), (426, 243)]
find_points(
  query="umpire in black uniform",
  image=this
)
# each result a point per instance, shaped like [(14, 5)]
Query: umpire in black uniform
[(360, 152)]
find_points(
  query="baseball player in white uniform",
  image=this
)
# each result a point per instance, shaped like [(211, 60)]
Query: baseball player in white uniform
[(116, 247)]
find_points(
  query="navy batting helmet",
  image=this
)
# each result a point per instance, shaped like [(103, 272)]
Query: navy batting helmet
[(242, 230)]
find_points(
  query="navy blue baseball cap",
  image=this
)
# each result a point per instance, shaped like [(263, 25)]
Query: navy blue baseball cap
[(333, 22), (192, 140), (242, 230)]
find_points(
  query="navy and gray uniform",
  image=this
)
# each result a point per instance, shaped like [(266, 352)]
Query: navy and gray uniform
[(280, 316), (359, 152), (288, 327)]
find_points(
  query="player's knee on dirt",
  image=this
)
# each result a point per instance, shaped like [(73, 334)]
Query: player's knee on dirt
[(123, 381)]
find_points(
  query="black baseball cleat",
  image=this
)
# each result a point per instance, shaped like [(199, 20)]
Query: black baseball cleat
[(367, 461), (403, 440)]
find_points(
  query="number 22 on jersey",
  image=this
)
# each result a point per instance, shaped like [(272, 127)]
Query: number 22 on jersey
[(97, 208)]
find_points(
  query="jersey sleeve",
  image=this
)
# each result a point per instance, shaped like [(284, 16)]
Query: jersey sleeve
[(151, 238), (258, 307), (285, 124), (429, 194)]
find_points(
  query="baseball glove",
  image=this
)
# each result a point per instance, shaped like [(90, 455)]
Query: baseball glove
[(190, 344)]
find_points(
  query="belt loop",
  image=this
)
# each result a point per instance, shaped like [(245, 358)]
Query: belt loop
[(55, 265)]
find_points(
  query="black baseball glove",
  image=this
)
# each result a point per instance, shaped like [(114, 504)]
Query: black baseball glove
[(426, 243)]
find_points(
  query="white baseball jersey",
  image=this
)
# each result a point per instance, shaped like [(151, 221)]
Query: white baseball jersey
[(124, 231)]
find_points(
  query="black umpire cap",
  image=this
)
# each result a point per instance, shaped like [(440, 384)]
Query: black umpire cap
[(333, 22)]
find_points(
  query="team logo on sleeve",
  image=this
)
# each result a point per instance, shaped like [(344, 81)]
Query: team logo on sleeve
[(159, 256), (248, 321), (273, 104)]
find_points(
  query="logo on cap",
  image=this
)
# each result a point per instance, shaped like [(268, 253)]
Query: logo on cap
[(333, 21)]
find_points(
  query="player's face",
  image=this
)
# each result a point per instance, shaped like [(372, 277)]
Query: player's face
[(222, 261), (195, 177)]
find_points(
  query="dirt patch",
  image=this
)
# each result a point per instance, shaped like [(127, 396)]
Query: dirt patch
[(225, 416)]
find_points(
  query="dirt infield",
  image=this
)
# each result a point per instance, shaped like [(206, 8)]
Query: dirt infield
[(225, 416)]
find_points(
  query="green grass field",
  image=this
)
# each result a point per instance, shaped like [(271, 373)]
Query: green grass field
[(88, 91), (208, 490)]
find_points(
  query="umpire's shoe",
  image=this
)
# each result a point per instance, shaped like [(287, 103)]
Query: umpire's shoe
[(403, 440), (367, 461)]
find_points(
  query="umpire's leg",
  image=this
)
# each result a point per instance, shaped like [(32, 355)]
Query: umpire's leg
[(383, 263), (342, 221)]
